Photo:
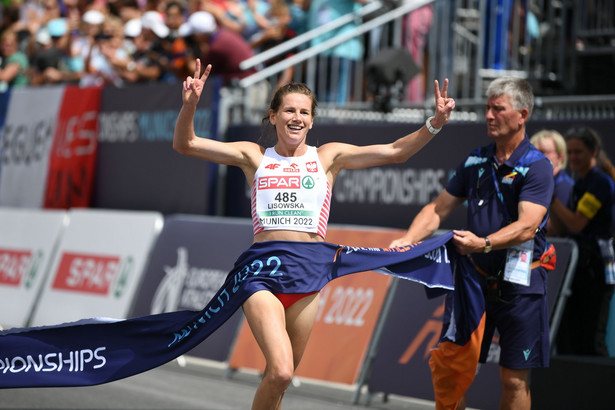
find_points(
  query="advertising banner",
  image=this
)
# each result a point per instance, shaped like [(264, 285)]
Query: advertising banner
[(73, 151), (137, 167), (188, 264), (27, 241), (98, 266), (26, 141), (349, 310)]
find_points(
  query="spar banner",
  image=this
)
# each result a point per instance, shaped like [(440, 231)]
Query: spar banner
[(348, 311), (391, 195), (26, 142), (137, 168), (98, 265), (188, 264), (73, 151), (27, 241)]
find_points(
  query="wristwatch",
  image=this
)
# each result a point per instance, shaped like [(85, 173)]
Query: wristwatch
[(487, 245)]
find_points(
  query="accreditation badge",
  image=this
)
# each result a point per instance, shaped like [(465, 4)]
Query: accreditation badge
[(518, 263)]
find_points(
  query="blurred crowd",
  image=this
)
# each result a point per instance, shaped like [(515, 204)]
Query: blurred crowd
[(118, 42)]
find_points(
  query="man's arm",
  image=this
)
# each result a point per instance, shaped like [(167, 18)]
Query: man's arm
[(523, 229), (429, 218)]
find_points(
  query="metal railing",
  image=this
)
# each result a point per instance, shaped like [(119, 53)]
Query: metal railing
[(469, 41)]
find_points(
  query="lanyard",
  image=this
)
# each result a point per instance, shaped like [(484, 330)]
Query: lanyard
[(499, 192)]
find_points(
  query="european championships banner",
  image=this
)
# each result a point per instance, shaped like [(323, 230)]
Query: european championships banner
[(48, 145), (95, 351), (137, 168), (27, 136), (187, 265), (72, 159)]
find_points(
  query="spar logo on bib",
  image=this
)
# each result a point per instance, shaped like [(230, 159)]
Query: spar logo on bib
[(94, 274), (281, 182), (308, 182)]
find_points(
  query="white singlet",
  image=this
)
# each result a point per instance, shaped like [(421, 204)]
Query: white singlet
[(291, 193)]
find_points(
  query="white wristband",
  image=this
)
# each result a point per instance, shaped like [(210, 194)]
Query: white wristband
[(430, 128)]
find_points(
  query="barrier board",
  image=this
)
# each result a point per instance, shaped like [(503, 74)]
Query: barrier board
[(188, 264), (98, 266), (349, 310), (400, 362), (28, 239)]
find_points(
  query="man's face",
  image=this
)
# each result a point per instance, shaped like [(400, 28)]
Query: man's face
[(502, 119), (174, 18)]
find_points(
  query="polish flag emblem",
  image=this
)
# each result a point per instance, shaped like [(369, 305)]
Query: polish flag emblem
[(311, 166)]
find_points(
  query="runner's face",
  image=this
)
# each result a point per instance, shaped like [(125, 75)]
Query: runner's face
[(293, 120), (502, 119)]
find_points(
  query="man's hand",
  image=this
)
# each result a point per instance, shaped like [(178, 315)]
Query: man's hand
[(466, 242)]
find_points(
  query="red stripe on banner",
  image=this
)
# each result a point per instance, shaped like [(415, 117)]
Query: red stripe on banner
[(72, 159)]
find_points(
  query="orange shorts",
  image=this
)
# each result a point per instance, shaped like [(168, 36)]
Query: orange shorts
[(289, 299)]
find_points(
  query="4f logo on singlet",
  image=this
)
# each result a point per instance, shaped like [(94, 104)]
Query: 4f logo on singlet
[(272, 166)]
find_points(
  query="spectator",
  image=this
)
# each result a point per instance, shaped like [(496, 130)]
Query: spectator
[(10, 17), (14, 66), (298, 14), (100, 66), (416, 25), (589, 217), (150, 55), (222, 48), (127, 10), (176, 67), (342, 59), (276, 32), (51, 47), (144, 63), (552, 144), (83, 37)]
